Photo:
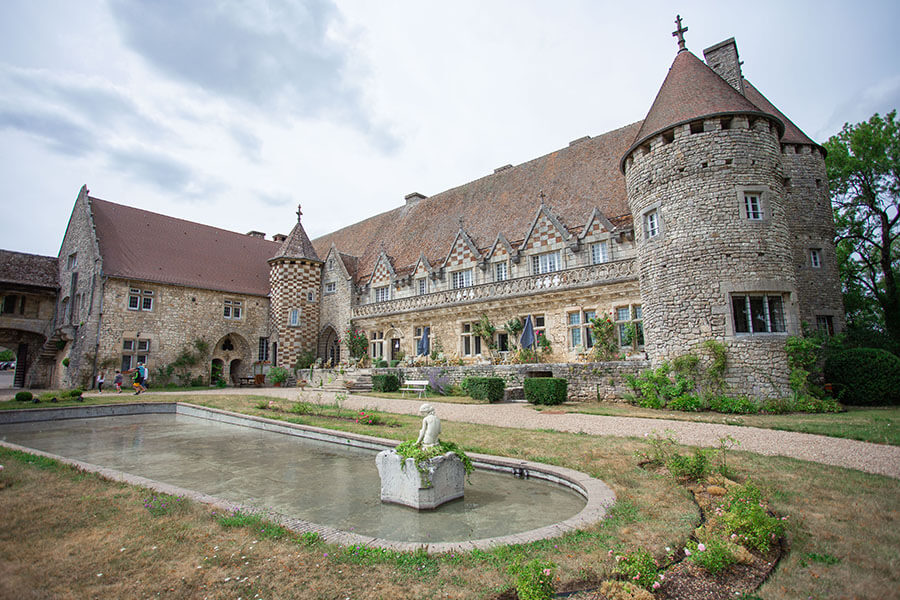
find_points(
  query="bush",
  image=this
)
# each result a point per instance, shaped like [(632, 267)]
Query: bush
[(387, 382), (743, 405), (687, 403), (546, 390), (278, 374), (715, 555), (394, 363), (380, 363), (24, 396), (438, 381), (74, 393), (747, 518), (637, 567), (691, 467), (484, 388), (534, 580), (864, 376)]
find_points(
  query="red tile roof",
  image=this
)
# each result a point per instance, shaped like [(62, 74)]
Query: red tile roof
[(142, 245), (31, 270), (690, 91), (575, 179), (792, 133)]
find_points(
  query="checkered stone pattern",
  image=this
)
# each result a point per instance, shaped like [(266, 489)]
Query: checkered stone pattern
[(421, 271), (290, 282), (382, 274), (461, 255), (595, 229), (545, 235), (500, 252)]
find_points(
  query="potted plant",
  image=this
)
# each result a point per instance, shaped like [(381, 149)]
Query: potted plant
[(278, 375)]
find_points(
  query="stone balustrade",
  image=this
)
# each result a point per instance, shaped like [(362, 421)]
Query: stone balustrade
[(579, 277)]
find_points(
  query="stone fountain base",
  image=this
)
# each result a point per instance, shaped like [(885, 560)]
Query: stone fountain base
[(402, 483)]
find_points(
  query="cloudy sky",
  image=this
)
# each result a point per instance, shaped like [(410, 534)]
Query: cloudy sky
[(231, 112)]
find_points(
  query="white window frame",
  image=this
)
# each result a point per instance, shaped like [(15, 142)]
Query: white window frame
[(600, 252), (233, 309), (461, 279), (382, 293), (815, 258), (579, 324), (634, 315), (142, 299), (652, 224), (294, 317), (421, 286), (548, 262), (330, 288), (469, 343), (376, 345), (501, 271), (753, 206)]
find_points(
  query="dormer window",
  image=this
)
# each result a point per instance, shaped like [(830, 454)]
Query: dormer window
[(501, 271), (461, 279), (545, 263), (599, 252), (422, 286), (383, 294)]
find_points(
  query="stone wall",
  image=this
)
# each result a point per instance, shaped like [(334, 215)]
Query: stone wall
[(694, 177), (335, 307), (587, 381), (179, 316)]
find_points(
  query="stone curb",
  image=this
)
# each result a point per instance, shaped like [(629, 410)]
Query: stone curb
[(599, 496)]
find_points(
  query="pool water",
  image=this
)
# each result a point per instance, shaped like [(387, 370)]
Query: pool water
[(324, 483)]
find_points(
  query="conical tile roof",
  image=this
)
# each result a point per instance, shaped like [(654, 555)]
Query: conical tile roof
[(297, 244), (691, 91)]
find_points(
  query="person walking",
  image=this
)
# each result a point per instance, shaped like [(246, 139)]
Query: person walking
[(100, 381), (118, 381)]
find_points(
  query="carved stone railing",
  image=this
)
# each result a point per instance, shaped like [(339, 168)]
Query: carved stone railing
[(579, 277)]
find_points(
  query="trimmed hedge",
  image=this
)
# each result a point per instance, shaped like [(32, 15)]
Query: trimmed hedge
[(24, 396), (546, 390), (484, 388), (864, 376), (389, 382)]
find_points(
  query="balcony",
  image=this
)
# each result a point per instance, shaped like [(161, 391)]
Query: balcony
[(570, 279)]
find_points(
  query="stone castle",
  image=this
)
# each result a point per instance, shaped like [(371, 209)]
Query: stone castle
[(708, 219)]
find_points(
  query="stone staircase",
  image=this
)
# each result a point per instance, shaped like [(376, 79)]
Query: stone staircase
[(356, 381)]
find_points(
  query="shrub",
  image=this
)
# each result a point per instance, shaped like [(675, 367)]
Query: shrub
[(394, 363), (863, 376), (278, 374), (24, 396), (715, 555), (546, 390), (637, 567), (484, 388), (438, 382), (305, 360), (74, 393), (687, 403), (534, 580), (380, 363), (691, 467), (748, 520), (386, 382), (743, 405)]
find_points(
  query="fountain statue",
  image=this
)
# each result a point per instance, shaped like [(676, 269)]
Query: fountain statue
[(421, 481)]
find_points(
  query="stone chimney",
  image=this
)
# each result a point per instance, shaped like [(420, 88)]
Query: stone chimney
[(279, 237), (257, 234), (414, 197), (503, 168), (723, 59)]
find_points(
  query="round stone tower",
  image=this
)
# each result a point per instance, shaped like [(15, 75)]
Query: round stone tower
[(705, 186)]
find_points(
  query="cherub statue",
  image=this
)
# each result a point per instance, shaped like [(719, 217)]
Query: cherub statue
[(431, 427)]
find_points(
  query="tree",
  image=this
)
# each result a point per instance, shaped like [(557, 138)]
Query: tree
[(863, 166)]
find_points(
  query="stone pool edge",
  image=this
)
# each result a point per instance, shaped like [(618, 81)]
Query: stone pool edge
[(599, 497)]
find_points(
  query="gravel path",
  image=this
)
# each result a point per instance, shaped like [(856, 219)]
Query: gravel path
[(853, 454)]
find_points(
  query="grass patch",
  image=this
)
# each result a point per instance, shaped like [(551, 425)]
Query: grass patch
[(53, 513), (879, 425)]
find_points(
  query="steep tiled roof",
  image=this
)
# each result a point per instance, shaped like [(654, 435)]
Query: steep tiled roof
[(575, 179), (792, 133), (18, 268), (138, 244), (297, 245), (691, 91)]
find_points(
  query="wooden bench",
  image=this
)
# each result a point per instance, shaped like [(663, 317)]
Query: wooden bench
[(420, 386)]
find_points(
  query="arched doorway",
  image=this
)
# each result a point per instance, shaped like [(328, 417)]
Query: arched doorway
[(235, 371), (216, 371), (331, 346)]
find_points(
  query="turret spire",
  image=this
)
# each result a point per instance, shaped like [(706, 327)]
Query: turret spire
[(679, 33)]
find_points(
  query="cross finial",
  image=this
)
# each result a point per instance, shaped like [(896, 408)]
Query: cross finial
[(299, 213), (679, 33), (542, 196)]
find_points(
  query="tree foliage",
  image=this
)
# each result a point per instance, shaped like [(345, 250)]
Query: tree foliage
[(863, 166)]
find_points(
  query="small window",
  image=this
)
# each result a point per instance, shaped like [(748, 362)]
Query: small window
[(294, 317), (143, 345), (422, 286), (825, 324), (330, 287), (128, 345), (815, 258), (501, 271), (139, 299), (461, 279), (758, 314), (72, 261), (599, 253), (310, 296), (263, 352), (651, 224), (753, 208), (545, 263), (233, 309), (383, 294)]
